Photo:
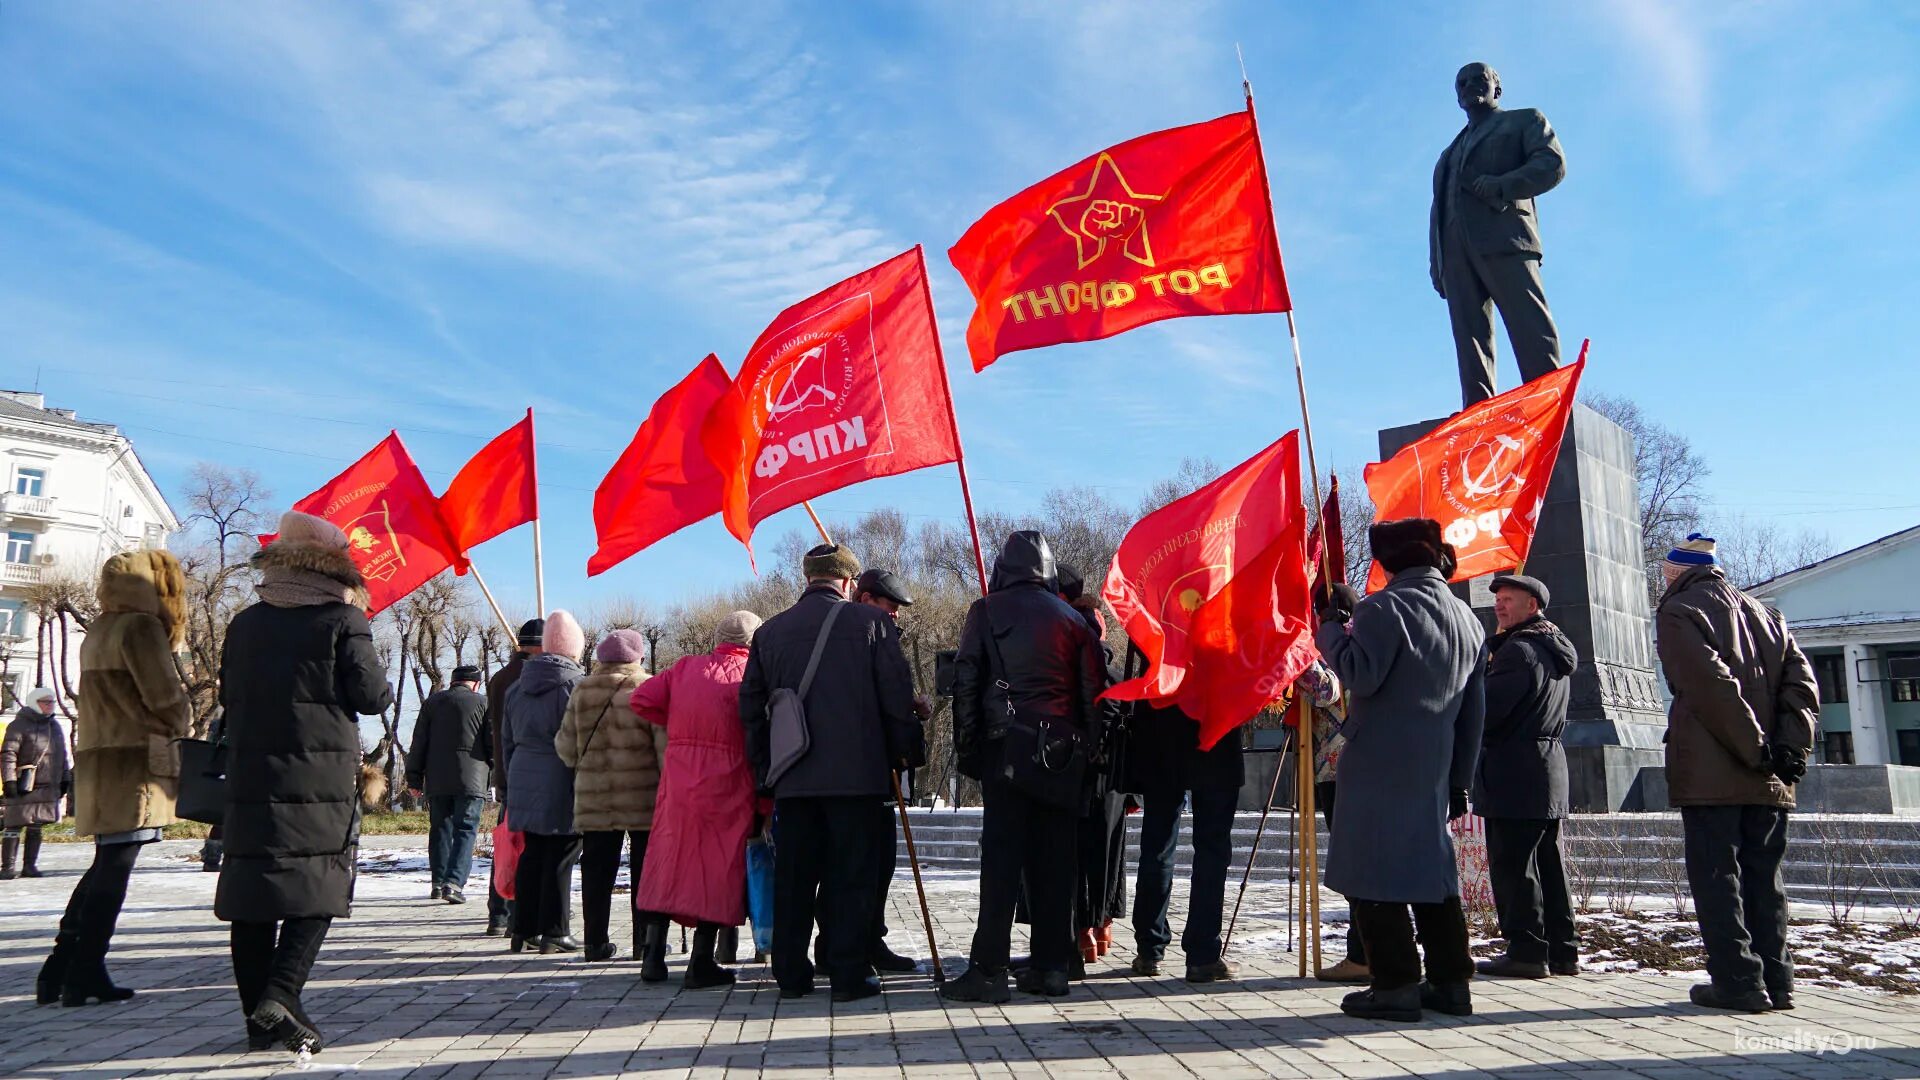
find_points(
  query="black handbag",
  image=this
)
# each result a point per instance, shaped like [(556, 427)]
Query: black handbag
[(1046, 761), (203, 781)]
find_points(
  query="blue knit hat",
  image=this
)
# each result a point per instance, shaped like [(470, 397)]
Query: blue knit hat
[(1695, 550)]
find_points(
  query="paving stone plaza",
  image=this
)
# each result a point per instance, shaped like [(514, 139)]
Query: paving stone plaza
[(409, 988)]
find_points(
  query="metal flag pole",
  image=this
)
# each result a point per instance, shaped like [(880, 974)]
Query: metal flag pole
[(491, 602)]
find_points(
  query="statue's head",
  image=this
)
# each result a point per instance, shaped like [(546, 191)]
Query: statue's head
[(1477, 85)]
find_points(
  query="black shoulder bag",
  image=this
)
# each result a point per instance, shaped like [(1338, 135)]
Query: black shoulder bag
[(1047, 763)]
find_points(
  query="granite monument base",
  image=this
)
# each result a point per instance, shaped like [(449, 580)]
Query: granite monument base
[(1860, 789)]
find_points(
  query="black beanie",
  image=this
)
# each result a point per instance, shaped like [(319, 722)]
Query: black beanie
[(533, 632), (1407, 543)]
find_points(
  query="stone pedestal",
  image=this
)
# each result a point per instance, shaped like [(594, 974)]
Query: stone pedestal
[(1587, 551)]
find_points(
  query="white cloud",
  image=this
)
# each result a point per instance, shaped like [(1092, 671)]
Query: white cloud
[(1673, 46)]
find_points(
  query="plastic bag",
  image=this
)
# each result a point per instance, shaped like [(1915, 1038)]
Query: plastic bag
[(760, 892), (507, 845)]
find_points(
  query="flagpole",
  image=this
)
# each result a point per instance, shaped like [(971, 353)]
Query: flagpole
[(539, 563), (824, 538), (491, 602), (953, 421)]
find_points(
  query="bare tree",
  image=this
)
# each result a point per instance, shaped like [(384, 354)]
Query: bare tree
[(227, 508), (1669, 472), (1752, 551)]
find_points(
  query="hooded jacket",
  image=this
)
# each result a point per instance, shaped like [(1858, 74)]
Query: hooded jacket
[(1739, 681), (34, 739), (1523, 767), (539, 784), (615, 755), (132, 704), (1046, 654), (297, 672), (497, 688)]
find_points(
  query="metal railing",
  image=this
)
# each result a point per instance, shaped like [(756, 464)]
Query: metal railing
[(14, 573)]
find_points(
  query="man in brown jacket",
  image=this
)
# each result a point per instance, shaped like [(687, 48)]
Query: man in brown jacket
[(1742, 721)]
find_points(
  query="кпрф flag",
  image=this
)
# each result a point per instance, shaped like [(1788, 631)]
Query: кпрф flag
[(1169, 224)]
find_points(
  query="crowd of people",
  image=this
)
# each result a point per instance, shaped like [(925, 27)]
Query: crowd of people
[(798, 729)]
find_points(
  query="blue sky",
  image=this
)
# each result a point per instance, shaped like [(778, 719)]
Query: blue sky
[(261, 234)]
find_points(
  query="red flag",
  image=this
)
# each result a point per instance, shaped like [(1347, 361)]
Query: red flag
[(1173, 223), (664, 480), (495, 491), (1482, 474), (842, 387), (1328, 530), (392, 521), (1234, 541)]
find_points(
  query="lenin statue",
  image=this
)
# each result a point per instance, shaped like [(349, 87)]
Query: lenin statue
[(1484, 240)]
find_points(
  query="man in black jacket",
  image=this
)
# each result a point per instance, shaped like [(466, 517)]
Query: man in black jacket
[(860, 724), (1026, 661), (1169, 764), (448, 763), (532, 632), (1520, 787)]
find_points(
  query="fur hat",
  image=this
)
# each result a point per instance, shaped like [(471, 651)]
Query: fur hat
[(563, 635), (830, 562), (299, 528), (737, 628), (1406, 543), (621, 647), (533, 632), (1696, 550)]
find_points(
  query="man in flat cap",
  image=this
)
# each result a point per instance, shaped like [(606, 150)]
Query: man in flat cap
[(1520, 787), (856, 723), (449, 762)]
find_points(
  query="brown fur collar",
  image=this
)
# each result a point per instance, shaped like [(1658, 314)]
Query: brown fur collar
[(149, 582)]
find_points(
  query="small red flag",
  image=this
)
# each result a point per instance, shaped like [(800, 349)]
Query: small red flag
[(495, 491), (1168, 224), (1482, 474), (1328, 528), (392, 521), (664, 480), (842, 387), (1212, 588)]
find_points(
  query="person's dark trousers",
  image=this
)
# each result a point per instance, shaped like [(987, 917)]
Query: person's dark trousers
[(275, 958), (543, 887), (1021, 834), (1099, 861), (452, 821), (599, 867), (1323, 795), (499, 908), (1394, 959), (828, 849), (887, 853), (1475, 282), (1212, 852), (1530, 889), (86, 929), (1733, 866)]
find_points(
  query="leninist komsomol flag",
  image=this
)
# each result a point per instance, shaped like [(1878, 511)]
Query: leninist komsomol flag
[(392, 521), (664, 480), (494, 491), (1212, 588), (1482, 474), (841, 387), (1168, 224)]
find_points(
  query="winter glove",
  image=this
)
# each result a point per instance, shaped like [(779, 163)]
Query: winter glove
[(12, 789), (1456, 804), (1789, 763), (1337, 604)]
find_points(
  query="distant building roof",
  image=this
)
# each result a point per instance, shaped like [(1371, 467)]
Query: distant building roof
[(1834, 562), (28, 405)]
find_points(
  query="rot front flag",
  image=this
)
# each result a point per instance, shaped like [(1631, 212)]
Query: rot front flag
[(1182, 557), (664, 481), (392, 521), (1482, 474), (1169, 224), (842, 387), (495, 491)]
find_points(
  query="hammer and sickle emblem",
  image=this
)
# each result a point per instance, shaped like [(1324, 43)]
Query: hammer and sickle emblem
[(1503, 458)]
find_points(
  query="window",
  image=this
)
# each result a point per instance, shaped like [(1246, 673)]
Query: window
[(1909, 746), (13, 619), (1830, 671), (19, 547), (1837, 748), (1907, 689), (30, 482)]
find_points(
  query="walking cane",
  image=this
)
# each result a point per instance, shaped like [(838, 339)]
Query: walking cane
[(920, 889), (1253, 853)]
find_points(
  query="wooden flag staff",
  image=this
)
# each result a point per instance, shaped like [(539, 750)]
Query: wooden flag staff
[(512, 634)]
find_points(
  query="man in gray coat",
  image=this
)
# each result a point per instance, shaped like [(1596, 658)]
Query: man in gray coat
[(1412, 657), (1483, 241)]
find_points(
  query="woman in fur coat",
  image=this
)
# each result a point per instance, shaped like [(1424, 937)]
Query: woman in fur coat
[(126, 769), (297, 668)]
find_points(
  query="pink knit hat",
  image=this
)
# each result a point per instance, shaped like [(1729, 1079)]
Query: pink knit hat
[(563, 635), (621, 647), (299, 528)]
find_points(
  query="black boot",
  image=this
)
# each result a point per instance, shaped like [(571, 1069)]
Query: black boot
[(287, 1024), (653, 952), (727, 949), (53, 973), (30, 855), (703, 973), (978, 984), (1453, 998), (9, 855), (1400, 1003), (88, 982)]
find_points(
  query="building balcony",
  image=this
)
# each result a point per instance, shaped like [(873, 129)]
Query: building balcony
[(15, 505), (21, 573)]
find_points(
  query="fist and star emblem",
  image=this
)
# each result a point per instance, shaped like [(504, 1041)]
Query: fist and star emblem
[(1108, 211)]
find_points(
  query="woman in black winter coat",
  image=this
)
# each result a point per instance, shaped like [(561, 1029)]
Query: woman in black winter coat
[(298, 666)]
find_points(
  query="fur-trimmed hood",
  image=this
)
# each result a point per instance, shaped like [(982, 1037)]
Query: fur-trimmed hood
[(289, 561), (149, 582)]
